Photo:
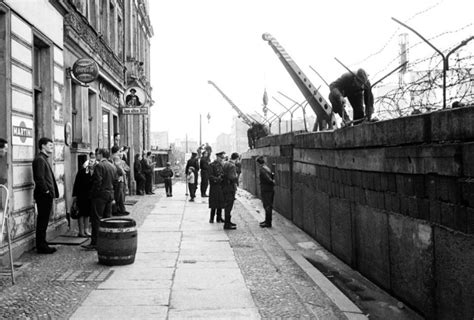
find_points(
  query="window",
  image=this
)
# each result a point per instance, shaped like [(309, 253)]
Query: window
[(105, 129), (103, 17), (120, 37), (76, 112), (91, 117), (112, 40), (93, 13)]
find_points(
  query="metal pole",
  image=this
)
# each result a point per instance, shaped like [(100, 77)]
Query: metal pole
[(200, 130), (445, 64)]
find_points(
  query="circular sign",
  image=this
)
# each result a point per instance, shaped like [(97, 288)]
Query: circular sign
[(85, 70), (135, 97)]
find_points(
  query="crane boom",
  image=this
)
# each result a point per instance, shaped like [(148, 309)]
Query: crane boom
[(319, 105), (242, 115)]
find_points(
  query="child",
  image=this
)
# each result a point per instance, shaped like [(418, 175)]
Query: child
[(191, 183), (167, 174)]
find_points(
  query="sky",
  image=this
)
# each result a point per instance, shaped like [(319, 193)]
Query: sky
[(221, 40)]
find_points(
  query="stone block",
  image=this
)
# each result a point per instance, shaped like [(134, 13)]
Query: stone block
[(435, 211), (341, 230), (372, 244), (375, 199), (322, 216), (391, 182), (467, 156), (448, 216), (308, 212), (470, 220), (282, 201), (454, 267), (452, 124), (423, 209), (467, 191), (298, 198), (411, 262), (430, 186)]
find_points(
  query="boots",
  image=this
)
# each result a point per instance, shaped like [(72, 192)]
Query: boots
[(268, 219), (219, 217), (211, 219)]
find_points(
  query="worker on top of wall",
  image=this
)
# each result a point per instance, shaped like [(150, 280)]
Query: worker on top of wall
[(356, 87)]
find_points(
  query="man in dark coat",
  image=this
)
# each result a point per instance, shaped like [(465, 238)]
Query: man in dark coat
[(229, 189), (193, 162), (138, 173), (45, 191), (216, 194), (204, 166), (102, 193), (267, 184), (147, 169), (356, 87)]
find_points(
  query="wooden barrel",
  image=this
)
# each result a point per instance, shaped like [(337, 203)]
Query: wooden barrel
[(117, 241)]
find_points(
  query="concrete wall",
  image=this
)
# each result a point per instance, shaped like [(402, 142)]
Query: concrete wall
[(393, 199)]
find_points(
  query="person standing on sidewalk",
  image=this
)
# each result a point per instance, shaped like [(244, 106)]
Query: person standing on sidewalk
[(216, 194), (193, 162), (229, 189), (3, 161), (102, 193), (45, 191), (267, 184), (167, 174), (147, 168), (81, 196), (138, 173), (118, 209), (204, 166), (190, 178)]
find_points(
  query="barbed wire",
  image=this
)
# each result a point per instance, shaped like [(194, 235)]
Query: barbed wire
[(397, 58), (395, 33), (424, 92)]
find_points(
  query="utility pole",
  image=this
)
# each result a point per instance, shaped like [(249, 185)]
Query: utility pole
[(200, 130)]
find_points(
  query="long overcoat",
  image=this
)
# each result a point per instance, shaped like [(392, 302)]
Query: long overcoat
[(216, 177)]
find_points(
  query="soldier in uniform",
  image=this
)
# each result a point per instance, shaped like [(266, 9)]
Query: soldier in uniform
[(229, 189), (216, 194), (267, 184)]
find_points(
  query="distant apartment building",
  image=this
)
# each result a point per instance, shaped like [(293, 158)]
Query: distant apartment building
[(159, 140)]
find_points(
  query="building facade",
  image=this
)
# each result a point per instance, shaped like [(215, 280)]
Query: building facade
[(40, 96)]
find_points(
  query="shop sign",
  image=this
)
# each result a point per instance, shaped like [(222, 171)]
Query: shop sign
[(134, 110), (135, 97), (85, 70), (22, 131)]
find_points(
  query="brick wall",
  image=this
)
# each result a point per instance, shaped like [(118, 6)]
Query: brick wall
[(393, 199)]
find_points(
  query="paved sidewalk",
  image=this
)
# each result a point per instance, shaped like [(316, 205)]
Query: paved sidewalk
[(184, 268)]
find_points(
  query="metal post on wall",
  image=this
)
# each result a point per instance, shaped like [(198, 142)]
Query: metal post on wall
[(444, 57), (5, 223)]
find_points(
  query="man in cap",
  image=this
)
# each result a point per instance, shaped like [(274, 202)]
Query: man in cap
[(132, 99), (216, 194), (356, 87), (193, 162), (229, 189), (267, 184)]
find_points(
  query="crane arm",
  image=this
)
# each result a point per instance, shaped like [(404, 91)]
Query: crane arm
[(242, 115), (319, 105)]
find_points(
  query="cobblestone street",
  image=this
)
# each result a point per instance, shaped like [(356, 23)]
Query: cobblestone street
[(55, 286)]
